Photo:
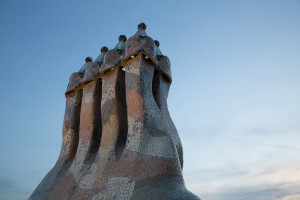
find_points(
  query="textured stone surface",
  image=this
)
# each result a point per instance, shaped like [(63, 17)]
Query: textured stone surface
[(119, 141), (68, 149)]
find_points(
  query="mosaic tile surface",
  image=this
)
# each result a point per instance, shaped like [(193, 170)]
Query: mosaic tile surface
[(119, 141)]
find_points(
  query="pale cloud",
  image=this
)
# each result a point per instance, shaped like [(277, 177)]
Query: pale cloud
[(249, 154), (286, 191), (240, 164)]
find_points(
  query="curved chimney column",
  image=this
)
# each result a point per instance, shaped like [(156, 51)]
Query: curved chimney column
[(89, 140)]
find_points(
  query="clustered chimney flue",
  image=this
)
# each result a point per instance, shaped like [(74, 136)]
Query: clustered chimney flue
[(119, 141)]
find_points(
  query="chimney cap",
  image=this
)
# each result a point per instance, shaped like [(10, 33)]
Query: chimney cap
[(142, 25), (88, 59), (104, 49), (122, 38)]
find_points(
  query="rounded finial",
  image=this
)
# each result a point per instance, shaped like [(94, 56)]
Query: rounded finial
[(156, 43), (122, 38), (142, 25), (104, 49), (88, 59)]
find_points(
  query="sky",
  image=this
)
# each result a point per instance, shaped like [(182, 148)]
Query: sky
[(235, 95)]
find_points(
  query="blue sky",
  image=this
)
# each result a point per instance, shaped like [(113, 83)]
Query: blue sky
[(235, 96)]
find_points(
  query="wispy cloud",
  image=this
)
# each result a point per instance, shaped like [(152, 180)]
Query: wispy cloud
[(285, 191), (240, 164), (282, 146)]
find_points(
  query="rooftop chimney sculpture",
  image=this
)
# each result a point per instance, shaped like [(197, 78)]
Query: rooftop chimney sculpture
[(119, 141)]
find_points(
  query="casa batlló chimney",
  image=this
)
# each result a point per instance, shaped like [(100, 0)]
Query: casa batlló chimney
[(119, 141)]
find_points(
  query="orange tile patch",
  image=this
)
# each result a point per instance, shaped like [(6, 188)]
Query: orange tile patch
[(135, 107)]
